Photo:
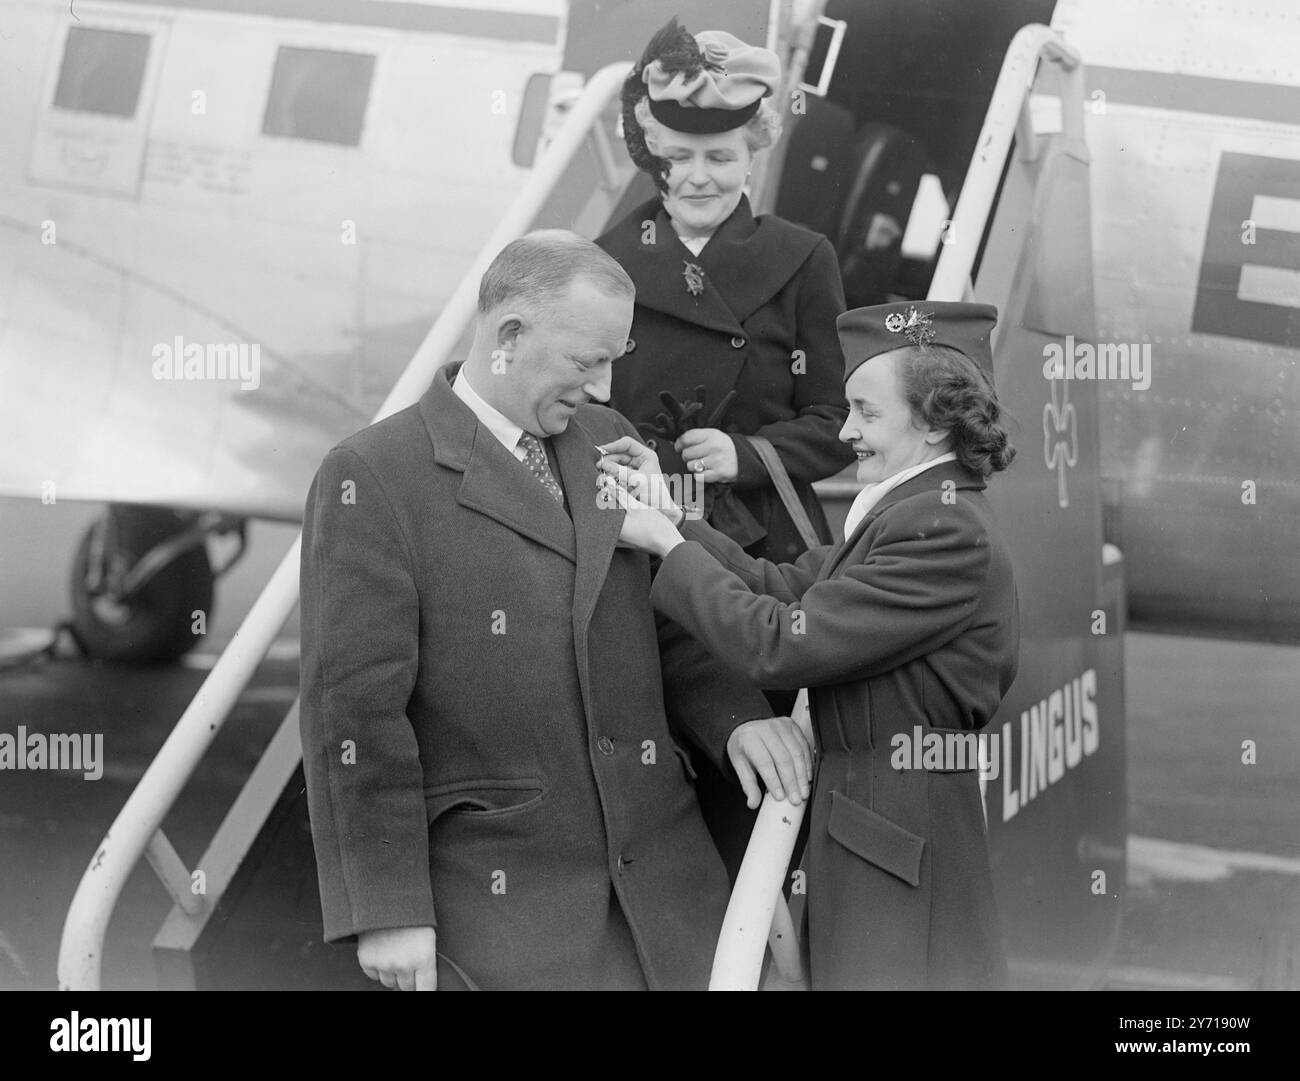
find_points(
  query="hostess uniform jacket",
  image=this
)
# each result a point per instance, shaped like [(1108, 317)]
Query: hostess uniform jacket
[(912, 622), (483, 712), (764, 326)]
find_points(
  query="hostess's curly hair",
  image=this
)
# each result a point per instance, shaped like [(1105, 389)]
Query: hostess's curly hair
[(945, 389), (676, 49)]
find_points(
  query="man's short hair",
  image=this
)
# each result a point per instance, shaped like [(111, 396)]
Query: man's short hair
[(539, 267)]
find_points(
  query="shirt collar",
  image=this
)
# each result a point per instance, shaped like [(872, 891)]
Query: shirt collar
[(874, 493), (496, 422)]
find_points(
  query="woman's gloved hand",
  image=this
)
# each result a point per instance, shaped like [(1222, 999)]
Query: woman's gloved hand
[(680, 417)]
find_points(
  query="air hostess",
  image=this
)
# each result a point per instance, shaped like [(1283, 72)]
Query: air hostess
[(909, 620)]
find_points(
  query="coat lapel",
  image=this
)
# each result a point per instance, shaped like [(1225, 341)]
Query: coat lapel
[(495, 483), (750, 261), (596, 528), (746, 262), (659, 270), (930, 480)]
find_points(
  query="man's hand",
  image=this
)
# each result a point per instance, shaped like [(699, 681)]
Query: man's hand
[(402, 957), (710, 454), (775, 749)]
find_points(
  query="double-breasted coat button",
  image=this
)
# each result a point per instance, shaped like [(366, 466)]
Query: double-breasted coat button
[(737, 342), (606, 745), (631, 346)]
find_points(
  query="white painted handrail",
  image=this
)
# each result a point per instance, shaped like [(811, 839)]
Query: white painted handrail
[(756, 899), (132, 832), (1006, 108), (747, 926)]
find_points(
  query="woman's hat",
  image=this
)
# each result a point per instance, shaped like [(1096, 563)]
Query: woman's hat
[(882, 328), (720, 91)]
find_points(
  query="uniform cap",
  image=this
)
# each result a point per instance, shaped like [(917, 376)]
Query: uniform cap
[(882, 328)]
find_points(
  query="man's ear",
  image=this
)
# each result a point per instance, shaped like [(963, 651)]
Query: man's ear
[(509, 327)]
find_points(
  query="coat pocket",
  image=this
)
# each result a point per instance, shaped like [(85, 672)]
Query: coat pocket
[(876, 839), (451, 977), (685, 757), (489, 798)]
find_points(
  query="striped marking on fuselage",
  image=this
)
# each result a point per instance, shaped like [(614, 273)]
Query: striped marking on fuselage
[(457, 21)]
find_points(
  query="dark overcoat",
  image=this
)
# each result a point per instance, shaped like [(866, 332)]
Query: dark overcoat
[(764, 326), (483, 717), (912, 622)]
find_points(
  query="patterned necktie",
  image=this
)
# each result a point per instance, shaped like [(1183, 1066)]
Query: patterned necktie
[(535, 459)]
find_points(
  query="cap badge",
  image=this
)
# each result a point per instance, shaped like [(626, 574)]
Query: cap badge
[(694, 275), (916, 325)]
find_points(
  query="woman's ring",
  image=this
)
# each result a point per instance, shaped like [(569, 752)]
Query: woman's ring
[(698, 465)]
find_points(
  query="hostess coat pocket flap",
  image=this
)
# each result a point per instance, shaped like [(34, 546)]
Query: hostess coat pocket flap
[(876, 839)]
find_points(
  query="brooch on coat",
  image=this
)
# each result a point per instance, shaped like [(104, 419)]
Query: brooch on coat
[(694, 275)]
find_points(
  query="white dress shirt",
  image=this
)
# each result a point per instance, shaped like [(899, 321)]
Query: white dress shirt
[(496, 422), (873, 493)]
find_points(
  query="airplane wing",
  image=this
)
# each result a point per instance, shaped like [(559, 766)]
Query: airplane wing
[(91, 411)]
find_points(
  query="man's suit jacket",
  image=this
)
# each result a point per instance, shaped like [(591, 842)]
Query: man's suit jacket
[(911, 622), (483, 712)]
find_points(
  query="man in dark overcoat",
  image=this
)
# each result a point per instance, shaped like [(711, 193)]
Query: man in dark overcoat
[(486, 693)]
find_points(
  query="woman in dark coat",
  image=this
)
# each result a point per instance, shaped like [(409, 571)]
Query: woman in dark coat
[(906, 630), (739, 306), (733, 333)]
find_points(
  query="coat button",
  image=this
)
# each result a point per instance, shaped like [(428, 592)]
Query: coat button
[(622, 865), (606, 745), (737, 343), (631, 346)]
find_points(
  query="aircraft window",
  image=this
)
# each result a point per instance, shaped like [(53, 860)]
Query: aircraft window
[(102, 71), (319, 94)]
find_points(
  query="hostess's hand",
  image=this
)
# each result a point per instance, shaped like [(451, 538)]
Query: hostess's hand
[(648, 490), (627, 451), (714, 452), (402, 957), (643, 527), (775, 749), (635, 468)]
